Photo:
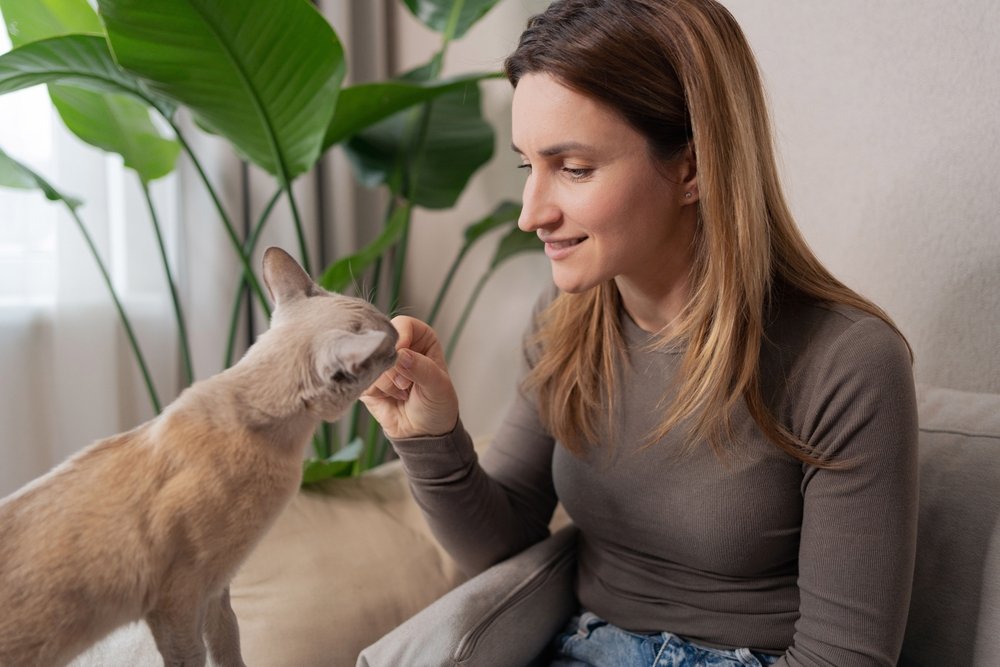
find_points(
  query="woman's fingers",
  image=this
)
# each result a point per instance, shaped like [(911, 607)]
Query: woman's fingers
[(422, 371), (418, 336), (414, 397), (389, 384)]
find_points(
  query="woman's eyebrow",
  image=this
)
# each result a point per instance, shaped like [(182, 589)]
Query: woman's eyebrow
[(558, 149)]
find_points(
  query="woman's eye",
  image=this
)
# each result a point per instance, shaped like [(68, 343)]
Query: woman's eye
[(577, 173), (525, 166)]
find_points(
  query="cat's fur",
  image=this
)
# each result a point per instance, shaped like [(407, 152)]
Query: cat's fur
[(153, 523)]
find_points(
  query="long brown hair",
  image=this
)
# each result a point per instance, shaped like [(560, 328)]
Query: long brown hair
[(682, 74)]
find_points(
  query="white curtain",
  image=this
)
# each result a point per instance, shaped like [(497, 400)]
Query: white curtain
[(67, 373)]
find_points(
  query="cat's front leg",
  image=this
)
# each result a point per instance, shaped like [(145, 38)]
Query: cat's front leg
[(177, 628), (223, 632)]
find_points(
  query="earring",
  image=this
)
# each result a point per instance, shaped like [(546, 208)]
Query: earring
[(688, 195)]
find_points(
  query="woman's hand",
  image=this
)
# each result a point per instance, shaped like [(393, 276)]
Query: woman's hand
[(415, 397)]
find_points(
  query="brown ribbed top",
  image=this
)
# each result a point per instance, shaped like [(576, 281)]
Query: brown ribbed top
[(754, 550)]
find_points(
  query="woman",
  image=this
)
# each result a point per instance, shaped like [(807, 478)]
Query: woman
[(731, 428)]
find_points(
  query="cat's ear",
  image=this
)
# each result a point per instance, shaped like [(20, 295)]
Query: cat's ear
[(340, 356), (284, 278)]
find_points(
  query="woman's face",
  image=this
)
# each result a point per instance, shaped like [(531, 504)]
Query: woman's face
[(595, 196)]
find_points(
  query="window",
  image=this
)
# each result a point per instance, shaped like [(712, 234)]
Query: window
[(27, 220)]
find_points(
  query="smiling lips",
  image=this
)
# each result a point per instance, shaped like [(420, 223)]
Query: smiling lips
[(557, 249)]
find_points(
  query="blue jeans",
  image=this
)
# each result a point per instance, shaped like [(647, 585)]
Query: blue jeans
[(593, 642)]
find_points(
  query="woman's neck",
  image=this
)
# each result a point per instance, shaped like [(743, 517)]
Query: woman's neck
[(655, 298)]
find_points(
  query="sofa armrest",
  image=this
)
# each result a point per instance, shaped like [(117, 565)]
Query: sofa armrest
[(955, 610), (503, 617)]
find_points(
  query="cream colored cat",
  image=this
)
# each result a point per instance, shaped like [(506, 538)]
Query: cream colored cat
[(153, 523)]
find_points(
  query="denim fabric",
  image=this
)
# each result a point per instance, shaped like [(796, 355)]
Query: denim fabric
[(589, 641)]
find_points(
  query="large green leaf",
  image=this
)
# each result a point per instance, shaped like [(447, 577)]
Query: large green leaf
[(115, 123), (264, 74), (365, 104), (456, 142), (14, 174), (345, 270), (436, 14), (31, 20), (80, 60), (120, 125)]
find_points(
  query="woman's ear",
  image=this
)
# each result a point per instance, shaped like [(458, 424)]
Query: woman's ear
[(688, 169)]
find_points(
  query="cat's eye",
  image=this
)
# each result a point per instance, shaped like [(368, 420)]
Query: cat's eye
[(342, 376)]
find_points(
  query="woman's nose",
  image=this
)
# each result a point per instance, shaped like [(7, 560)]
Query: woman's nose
[(538, 206)]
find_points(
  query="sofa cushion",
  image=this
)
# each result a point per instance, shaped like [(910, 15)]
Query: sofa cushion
[(955, 611), (343, 565)]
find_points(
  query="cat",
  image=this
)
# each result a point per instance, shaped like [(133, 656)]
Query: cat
[(153, 523)]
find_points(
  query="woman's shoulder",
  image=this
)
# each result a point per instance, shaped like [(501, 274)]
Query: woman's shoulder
[(818, 327), (813, 343)]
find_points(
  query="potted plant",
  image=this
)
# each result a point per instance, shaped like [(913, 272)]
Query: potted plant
[(267, 77)]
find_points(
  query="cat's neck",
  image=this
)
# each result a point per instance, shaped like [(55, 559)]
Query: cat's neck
[(262, 391)]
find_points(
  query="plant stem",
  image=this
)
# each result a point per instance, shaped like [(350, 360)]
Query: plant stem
[(299, 232), (230, 230), (172, 285), (408, 173), (248, 248), (399, 262), (449, 31), (446, 285), (366, 460), (412, 172), (453, 341), (129, 332)]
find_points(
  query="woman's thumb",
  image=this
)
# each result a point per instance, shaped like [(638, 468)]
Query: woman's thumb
[(423, 372)]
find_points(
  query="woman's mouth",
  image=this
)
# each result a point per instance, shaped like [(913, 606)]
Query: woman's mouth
[(558, 249)]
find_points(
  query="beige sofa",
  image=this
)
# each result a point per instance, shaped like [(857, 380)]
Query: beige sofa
[(348, 563)]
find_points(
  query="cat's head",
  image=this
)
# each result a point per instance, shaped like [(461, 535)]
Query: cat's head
[(337, 345)]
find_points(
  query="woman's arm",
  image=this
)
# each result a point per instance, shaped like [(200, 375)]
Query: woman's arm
[(481, 513), (859, 525)]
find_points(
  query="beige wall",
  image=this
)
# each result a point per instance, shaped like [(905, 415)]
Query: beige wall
[(886, 116)]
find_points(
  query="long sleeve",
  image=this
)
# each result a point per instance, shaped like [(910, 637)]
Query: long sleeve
[(858, 534), (484, 511)]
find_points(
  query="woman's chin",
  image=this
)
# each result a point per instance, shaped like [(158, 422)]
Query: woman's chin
[(571, 282)]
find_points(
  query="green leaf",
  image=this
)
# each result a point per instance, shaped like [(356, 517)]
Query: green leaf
[(514, 243), (264, 74), (457, 142), (98, 101), (80, 60), (504, 213), (114, 123), (341, 273), (339, 465), (14, 174), (365, 104), (31, 20), (120, 125), (435, 14)]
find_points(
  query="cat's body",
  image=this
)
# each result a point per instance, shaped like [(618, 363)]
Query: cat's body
[(153, 523)]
